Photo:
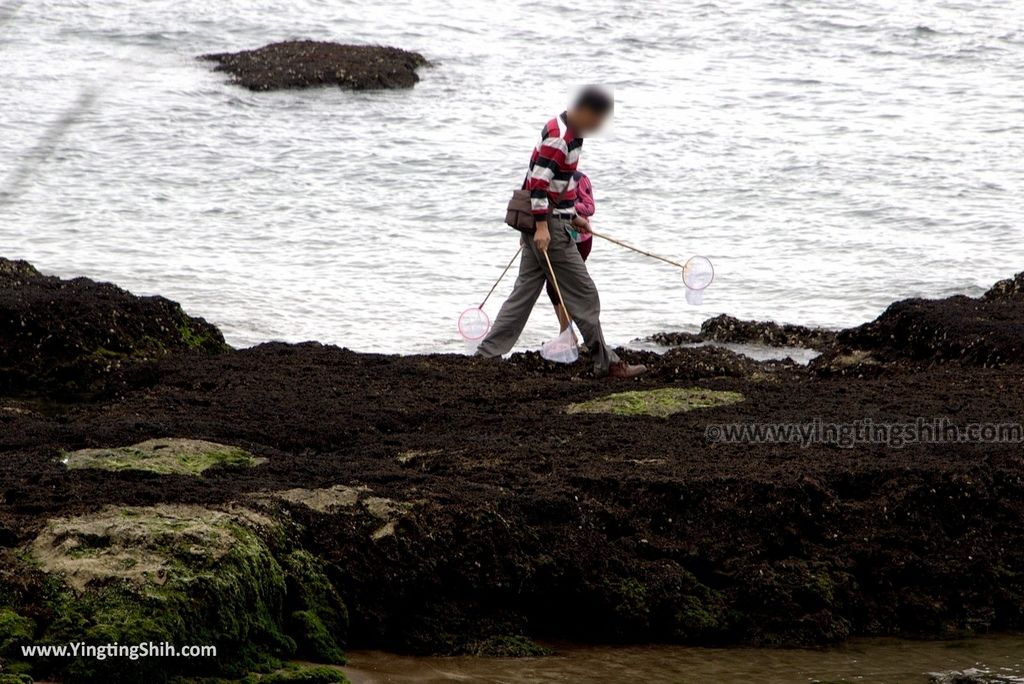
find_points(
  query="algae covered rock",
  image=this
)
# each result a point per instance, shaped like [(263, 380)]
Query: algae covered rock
[(318, 619), (15, 631), (659, 403), (182, 575), (162, 456), (69, 335), (309, 63)]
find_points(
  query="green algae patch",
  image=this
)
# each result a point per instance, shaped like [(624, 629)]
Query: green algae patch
[(15, 631), (201, 337), (317, 617), (659, 403), (182, 575), (163, 456)]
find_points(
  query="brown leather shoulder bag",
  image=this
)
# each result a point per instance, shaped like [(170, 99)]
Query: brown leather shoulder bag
[(519, 214)]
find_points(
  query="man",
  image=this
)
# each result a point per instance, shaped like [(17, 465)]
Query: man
[(552, 185)]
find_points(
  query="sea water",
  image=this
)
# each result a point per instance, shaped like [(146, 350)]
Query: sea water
[(829, 157)]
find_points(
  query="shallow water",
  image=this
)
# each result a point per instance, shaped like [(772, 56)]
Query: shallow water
[(877, 661), (753, 350), (829, 158)]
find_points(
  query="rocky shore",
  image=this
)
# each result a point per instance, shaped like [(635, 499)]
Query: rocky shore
[(286, 502), (311, 63)]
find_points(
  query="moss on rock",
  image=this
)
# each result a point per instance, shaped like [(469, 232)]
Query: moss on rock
[(199, 337), (659, 403), (163, 456), (184, 575), (15, 632), (318, 618)]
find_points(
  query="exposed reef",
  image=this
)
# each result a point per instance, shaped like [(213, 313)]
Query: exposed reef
[(325, 499), (310, 63)]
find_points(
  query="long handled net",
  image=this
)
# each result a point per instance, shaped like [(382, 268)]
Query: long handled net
[(562, 349), (698, 272), (474, 323)]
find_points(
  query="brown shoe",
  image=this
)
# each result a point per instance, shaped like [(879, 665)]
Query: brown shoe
[(624, 371)]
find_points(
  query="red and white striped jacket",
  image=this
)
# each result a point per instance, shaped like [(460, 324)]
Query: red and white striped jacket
[(553, 165)]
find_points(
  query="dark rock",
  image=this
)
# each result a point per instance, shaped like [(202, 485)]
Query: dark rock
[(507, 516), (67, 335), (728, 329), (853, 363), (987, 331), (674, 339), (704, 362), (309, 63), (14, 269), (1011, 288)]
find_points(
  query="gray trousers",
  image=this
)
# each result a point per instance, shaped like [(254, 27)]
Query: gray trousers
[(577, 288)]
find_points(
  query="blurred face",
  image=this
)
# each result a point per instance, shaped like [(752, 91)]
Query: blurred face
[(585, 121)]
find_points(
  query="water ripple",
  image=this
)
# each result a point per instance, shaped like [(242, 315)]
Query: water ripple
[(829, 158)]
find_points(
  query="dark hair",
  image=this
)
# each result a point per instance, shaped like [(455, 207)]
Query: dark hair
[(595, 99)]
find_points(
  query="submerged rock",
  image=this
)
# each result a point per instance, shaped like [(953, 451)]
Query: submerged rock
[(69, 335), (309, 63)]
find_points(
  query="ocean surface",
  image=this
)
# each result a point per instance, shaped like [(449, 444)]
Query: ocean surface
[(829, 157)]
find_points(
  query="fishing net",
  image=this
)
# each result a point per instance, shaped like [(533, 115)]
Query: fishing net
[(474, 324), (562, 349), (697, 275)]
